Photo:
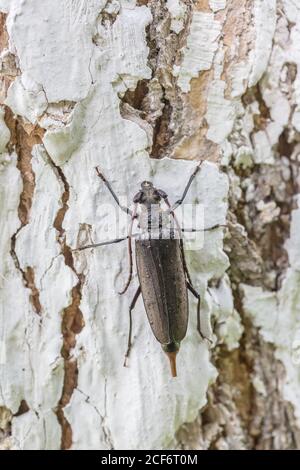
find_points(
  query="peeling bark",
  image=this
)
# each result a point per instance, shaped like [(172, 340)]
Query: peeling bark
[(123, 84)]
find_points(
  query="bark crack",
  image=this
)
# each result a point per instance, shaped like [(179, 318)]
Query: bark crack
[(72, 319), (159, 101), (106, 431), (22, 140)]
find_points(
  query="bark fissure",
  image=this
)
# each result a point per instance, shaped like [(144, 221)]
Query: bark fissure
[(72, 318), (103, 417), (268, 226), (22, 141), (159, 100)]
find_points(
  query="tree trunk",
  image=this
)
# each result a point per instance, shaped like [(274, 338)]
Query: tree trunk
[(123, 84)]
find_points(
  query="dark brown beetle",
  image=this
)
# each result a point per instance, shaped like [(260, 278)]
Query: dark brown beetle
[(162, 271)]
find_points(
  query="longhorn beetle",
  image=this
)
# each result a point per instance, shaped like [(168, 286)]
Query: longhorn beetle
[(164, 279)]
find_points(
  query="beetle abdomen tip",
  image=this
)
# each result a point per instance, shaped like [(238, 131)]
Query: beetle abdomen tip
[(172, 359)]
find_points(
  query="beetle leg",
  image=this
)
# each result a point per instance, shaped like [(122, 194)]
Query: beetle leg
[(181, 240), (197, 295), (132, 305), (110, 189), (180, 201), (186, 270), (130, 251), (130, 267), (214, 227)]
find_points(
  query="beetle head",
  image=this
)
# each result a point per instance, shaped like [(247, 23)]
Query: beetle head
[(148, 194), (146, 185)]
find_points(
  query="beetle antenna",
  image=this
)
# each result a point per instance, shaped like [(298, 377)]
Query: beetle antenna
[(172, 359)]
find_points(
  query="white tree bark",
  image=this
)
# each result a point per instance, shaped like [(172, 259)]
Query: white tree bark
[(122, 84)]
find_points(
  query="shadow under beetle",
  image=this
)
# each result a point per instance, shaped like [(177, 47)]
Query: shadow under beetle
[(164, 279)]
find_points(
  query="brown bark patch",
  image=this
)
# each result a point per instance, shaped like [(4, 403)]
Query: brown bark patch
[(3, 32), (8, 66), (34, 292), (22, 138), (70, 383), (194, 145), (72, 324), (23, 408), (162, 133), (5, 426), (203, 5), (238, 37), (263, 118)]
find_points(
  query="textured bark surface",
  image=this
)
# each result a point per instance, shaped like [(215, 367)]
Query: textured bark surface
[(123, 84)]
